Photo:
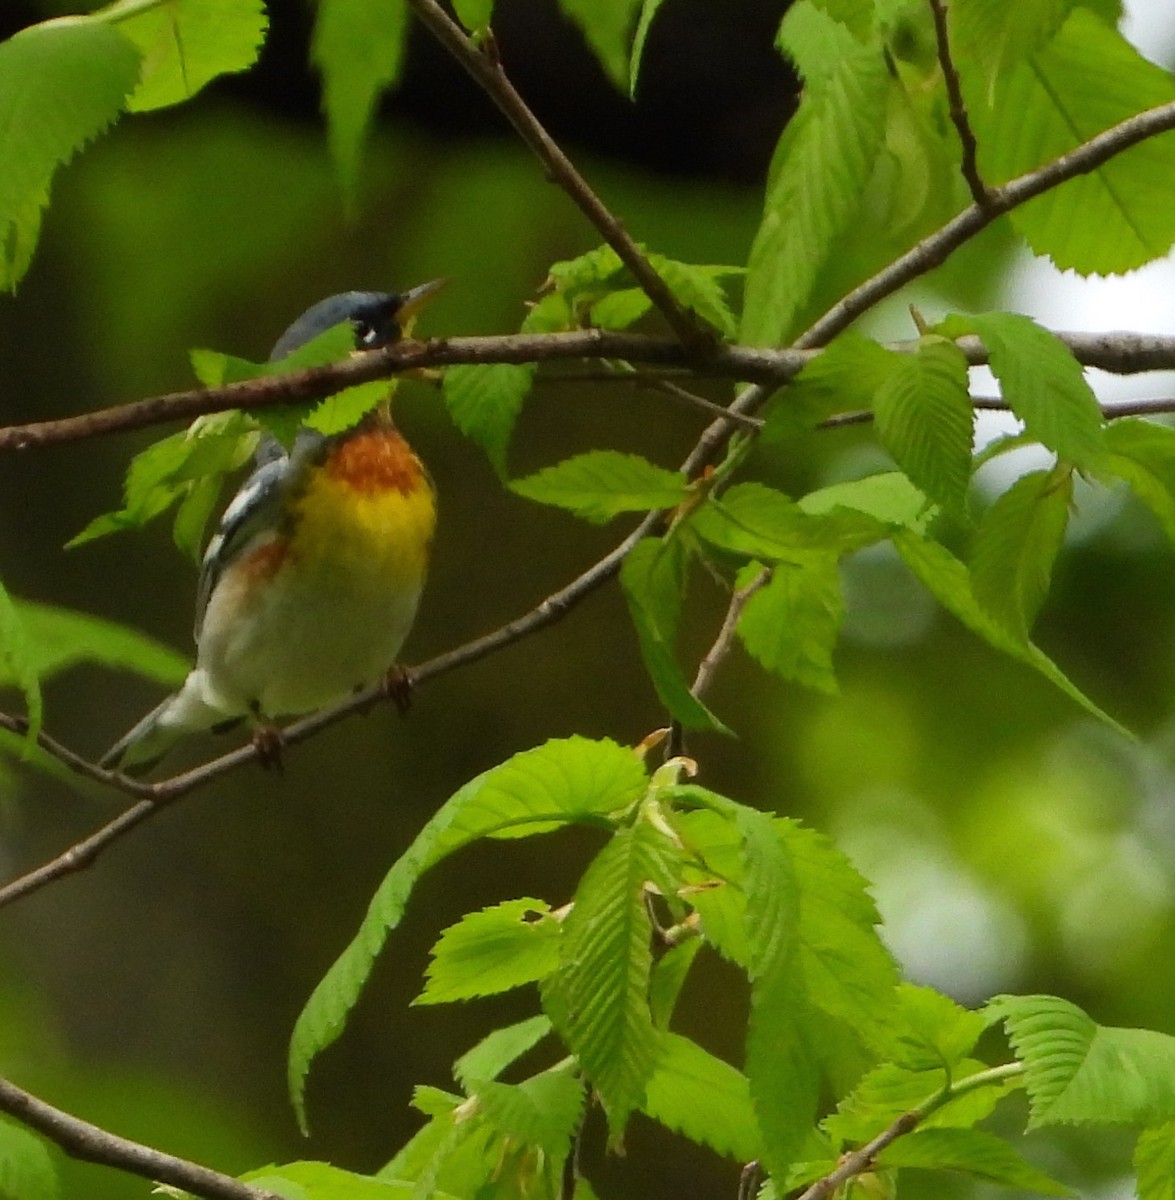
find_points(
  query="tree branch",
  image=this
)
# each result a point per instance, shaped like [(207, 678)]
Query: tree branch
[(958, 109), (154, 797), (1121, 353), (80, 1139), (483, 65), (731, 362), (935, 249)]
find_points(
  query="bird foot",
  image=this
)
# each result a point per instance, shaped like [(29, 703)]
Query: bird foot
[(268, 743), (397, 686)]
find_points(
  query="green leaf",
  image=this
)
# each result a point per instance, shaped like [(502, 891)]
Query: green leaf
[(456, 1151), (598, 999), (948, 579), (1143, 454), (619, 310), (887, 1091), (475, 15), (825, 159), (599, 485), (60, 638), (187, 45), (543, 1111), (669, 976), (696, 287), (1078, 1072), (484, 402), (843, 377), (757, 522), (653, 579), (855, 15), (62, 83), (848, 972), (1085, 79), (19, 662), (1154, 1161), (812, 37), (608, 27), (492, 951), (649, 9), (889, 497), (970, 1152), (593, 267), (498, 1050), (780, 1066), (358, 48), (992, 36), (933, 1031), (791, 625), (1015, 546), (707, 1100), (321, 1181), (924, 419), (562, 781), (27, 1169), (1042, 382), (174, 469)]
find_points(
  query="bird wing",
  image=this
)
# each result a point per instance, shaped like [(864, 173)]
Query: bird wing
[(257, 506), (260, 505)]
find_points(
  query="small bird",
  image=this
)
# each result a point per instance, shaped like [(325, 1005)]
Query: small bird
[(311, 583)]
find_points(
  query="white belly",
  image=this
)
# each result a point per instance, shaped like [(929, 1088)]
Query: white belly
[(305, 639)]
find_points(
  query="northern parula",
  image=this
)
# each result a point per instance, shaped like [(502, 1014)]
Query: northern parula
[(311, 583)]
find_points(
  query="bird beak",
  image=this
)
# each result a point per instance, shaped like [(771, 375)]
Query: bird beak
[(413, 300)]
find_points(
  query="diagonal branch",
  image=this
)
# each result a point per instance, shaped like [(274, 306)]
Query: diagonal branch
[(717, 654), (934, 250), (857, 1162), (481, 61), (80, 1139), (154, 797)]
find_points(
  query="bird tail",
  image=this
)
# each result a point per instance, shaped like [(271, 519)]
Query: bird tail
[(185, 712)]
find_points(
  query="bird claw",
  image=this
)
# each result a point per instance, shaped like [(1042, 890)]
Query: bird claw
[(268, 743), (397, 687)]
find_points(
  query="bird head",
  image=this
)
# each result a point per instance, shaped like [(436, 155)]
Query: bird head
[(378, 318)]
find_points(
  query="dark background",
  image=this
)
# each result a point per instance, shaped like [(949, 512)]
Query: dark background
[(1014, 845)]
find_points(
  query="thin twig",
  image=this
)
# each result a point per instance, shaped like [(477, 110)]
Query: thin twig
[(958, 109), (749, 1179), (481, 61), (857, 1162), (935, 249), (717, 653), (80, 1139), (700, 403)]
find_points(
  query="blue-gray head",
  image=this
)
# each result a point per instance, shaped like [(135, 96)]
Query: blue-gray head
[(379, 318)]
